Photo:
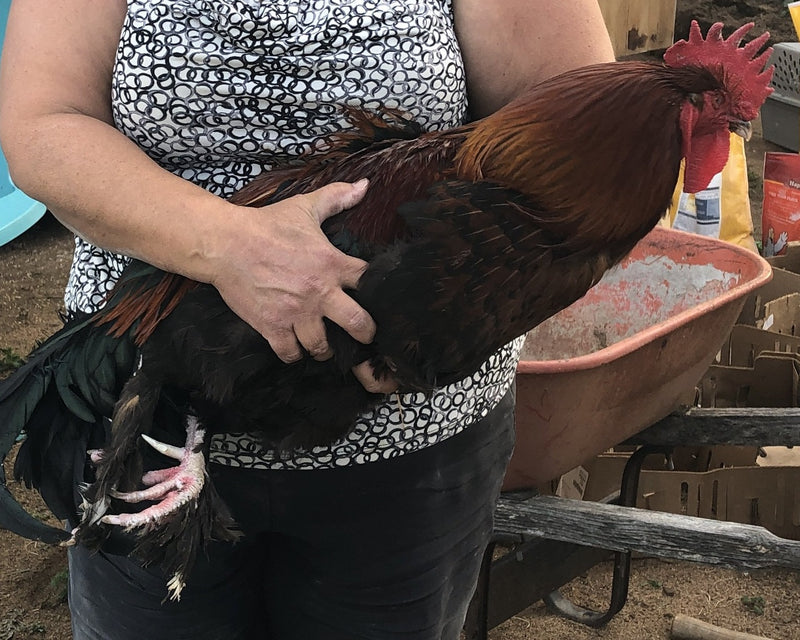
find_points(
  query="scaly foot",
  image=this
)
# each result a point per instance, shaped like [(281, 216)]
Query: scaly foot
[(172, 487)]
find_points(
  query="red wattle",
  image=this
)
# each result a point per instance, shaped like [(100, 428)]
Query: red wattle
[(707, 156)]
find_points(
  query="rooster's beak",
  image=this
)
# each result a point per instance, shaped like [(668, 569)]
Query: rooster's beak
[(741, 128)]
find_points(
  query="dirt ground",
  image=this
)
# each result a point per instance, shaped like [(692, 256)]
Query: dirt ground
[(33, 272)]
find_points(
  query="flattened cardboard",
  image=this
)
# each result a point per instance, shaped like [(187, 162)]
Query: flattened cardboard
[(745, 343), (782, 315), (745, 492), (783, 282), (772, 381), (789, 260)]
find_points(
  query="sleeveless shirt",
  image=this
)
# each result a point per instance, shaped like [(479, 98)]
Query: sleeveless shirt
[(217, 91)]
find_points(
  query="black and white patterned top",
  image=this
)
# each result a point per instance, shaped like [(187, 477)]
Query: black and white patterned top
[(218, 90)]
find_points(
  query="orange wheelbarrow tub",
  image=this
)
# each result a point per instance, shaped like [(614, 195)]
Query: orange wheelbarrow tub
[(628, 353)]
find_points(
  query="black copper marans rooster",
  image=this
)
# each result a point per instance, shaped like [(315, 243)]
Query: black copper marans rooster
[(473, 236)]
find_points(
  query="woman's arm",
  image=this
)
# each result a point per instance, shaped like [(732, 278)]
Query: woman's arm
[(508, 45), (274, 268)]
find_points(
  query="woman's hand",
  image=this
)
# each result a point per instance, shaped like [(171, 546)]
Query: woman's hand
[(281, 275)]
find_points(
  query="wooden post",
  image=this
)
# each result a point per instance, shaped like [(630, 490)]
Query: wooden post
[(636, 26), (686, 628)]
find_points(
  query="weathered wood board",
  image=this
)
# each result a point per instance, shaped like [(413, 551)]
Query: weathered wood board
[(664, 535), (636, 26)]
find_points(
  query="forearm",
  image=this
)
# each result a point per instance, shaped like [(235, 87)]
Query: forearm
[(104, 188), (56, 132), (272, 265)]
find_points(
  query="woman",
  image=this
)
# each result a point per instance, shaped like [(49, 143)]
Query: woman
[(133, 122)]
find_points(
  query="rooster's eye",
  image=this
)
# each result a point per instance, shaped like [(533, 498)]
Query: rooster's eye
[(696, 99)]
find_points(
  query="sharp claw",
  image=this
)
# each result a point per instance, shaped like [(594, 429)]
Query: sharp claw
[(167, 449), (120, 520)]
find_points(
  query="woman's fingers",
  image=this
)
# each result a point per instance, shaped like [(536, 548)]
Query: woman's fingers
[(365, 374), (351, 317), (334, 198), (311, 334), (285, 345)]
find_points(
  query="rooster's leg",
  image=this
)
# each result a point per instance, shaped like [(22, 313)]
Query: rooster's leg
[(187, 514), (117, 465), (172, 487)]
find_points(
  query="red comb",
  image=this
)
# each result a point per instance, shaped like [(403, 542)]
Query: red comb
[(741, 66)]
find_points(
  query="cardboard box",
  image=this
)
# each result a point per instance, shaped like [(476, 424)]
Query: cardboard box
[(759, 363), (783, 283), (605, 471), (733, 488), (764, 496), (771, 382)]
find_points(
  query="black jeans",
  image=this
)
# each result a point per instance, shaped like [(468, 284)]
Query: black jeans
[(384, 550)]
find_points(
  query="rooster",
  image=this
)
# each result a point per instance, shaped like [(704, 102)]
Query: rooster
[(473, 236)]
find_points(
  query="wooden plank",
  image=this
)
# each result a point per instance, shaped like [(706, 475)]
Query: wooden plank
[(761, 427), (636, 26), (686, 628), (665, 535)]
